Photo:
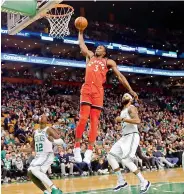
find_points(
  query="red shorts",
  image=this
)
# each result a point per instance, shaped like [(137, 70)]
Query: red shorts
[(92, 95)]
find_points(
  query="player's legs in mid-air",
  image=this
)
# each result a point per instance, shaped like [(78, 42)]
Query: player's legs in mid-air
[(96, 108), (91, 104), (84, 115), (122, 151), (86, 111), (94, 121)]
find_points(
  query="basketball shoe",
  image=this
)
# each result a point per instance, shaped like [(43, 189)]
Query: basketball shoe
[(77, 155), (145, 186), (120, 186), (88, 156), (56, 191)]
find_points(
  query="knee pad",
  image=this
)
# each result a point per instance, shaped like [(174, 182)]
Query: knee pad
[(129, 164), (112, 161)]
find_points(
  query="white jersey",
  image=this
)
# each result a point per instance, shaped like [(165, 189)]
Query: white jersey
[(127, 128), (42, 145)]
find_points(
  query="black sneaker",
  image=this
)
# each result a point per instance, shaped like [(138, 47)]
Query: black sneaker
[(120, 186), (145, 187)]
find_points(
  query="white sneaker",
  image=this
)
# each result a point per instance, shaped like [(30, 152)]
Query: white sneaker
[(87, 156), (77, 155), (145, 186), (120, 186)]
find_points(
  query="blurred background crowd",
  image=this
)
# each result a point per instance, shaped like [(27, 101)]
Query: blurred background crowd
[(161, 129)]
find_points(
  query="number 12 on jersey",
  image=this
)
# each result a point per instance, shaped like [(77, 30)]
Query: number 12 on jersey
[(39, 147)]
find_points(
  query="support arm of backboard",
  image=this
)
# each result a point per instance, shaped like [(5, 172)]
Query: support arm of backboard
[(26, 21)]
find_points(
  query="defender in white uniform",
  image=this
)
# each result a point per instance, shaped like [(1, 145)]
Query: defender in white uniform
[(43, 148), (124, 149), (43, 140)]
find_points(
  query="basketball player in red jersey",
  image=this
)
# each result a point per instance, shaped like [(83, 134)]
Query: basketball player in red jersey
[(92, 94)]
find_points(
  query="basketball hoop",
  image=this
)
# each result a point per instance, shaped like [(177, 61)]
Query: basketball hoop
[(59, 17)]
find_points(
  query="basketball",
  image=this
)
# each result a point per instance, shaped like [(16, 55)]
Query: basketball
[(81, 23)]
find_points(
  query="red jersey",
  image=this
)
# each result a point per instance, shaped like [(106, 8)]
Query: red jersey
[(96, 71)]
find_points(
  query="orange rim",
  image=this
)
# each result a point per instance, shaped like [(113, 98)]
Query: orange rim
[(60, 6)]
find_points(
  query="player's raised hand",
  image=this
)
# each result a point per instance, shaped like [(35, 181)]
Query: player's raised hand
[(81, 23), (134, 94)]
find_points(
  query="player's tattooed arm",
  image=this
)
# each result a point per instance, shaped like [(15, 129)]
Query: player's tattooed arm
[(122, 79), (134, 116), (84, 49)]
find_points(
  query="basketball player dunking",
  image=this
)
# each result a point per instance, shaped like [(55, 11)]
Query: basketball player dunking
[(125, 148), (92, 94)]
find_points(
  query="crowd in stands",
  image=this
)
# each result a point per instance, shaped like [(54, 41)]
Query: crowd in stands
[(77, 75), (113, 32), (161, 130), (164, 39)]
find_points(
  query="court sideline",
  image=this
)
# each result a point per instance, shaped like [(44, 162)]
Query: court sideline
[(163, 181)]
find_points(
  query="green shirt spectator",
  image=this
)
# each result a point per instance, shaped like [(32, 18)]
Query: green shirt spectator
[(7, 163), (3, 154), (56, 162)]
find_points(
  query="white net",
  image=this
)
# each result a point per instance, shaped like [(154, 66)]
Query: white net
[(59, 18)]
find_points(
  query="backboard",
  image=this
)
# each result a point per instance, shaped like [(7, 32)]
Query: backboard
[(21, 13)]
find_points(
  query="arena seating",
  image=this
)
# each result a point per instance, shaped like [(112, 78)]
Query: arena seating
[(161, 130)]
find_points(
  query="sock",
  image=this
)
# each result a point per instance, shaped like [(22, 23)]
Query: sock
[(46, 192), (77, 145), (120, 177), (94, 120), (53, 187), (90, 147), (140, 177)]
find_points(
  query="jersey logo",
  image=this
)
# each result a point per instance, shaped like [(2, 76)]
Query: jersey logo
[(97, 63)]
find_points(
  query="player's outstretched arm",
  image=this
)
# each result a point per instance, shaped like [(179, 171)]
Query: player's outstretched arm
[(121, 77), (83, 47)]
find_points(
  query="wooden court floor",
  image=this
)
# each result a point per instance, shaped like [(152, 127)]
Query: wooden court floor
[(169, 181)]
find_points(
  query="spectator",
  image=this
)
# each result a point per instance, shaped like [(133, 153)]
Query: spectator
[(158, 154), (19, 167), (169, 156), (161, 126), (7, 121)]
